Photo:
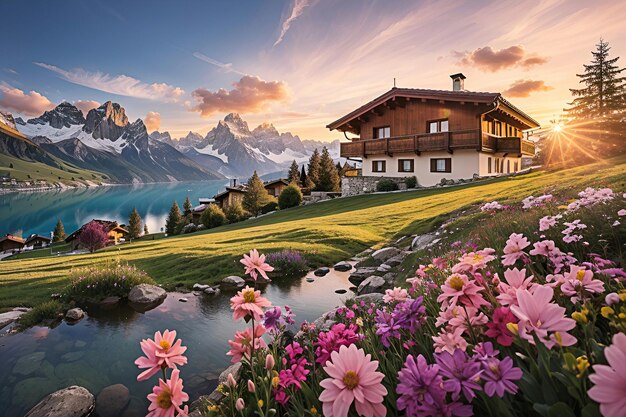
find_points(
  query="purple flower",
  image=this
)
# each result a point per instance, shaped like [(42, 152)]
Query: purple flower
[(273, 319), (500, 376), (410, 314), (419, 384), (386, 327), (460, 372)]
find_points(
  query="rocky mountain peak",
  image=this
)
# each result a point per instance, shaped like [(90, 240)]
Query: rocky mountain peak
[(235, 124), (107, 121), (7, 119), (63, 115), (265, 130)]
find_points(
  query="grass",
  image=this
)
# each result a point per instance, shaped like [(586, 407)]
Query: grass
[(31, 170), (325, 232), (54, 249), (48, 310)]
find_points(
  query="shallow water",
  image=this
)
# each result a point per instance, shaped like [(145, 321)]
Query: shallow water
[(100, 350)]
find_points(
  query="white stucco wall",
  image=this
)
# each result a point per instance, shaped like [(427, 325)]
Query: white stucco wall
[(465, 163), (484, 163)]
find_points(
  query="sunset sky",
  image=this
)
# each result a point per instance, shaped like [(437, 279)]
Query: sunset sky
[(300, 64)]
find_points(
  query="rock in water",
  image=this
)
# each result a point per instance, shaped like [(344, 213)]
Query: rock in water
[(383, 254), (341, 291), (360, 274), (342, 267), (320, 272), (372, 284), (146, 294), (233, 281), (73, 401), (112, 400), (74, 314)]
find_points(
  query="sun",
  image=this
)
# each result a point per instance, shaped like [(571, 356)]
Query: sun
[(557, 128)]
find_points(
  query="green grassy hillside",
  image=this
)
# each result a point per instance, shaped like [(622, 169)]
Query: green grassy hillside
[(327, 232), (31, 170)]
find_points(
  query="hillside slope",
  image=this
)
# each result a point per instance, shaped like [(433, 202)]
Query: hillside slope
[(327, 232)]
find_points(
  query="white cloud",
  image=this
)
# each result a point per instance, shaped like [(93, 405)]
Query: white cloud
[(122, 85), (297, 8), (226, 67)]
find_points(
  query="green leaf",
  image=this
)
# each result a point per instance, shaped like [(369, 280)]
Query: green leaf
[(560, 409)]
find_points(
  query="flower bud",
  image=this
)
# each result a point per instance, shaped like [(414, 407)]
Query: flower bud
[(239, 404), (251, 387), (512, 327), (230, 381), (269, 362), (611, 298)]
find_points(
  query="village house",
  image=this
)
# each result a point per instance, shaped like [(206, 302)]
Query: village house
[(275, 187), (232, 195), (36, 241), (437, 134), (115, 233), (11, 243)]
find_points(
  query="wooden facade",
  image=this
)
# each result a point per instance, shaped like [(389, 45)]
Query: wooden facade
[(11, 243)]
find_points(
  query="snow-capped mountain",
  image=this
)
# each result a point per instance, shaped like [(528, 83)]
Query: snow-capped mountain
[(232, 149), (106, 141)]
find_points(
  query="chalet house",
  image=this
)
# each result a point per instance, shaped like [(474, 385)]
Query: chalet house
[(275, 187), (232, 195), (37, 241), (115, 233), (11, 243), (437, 134)]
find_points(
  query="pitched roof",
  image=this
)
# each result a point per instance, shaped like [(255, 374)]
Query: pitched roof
[(238, 189), (12, 238), (35, 236), (280, 180), (420, 93), (108, 224)]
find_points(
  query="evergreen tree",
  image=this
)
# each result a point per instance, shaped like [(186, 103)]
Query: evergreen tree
[(303, 177), (314, 169), (145, 228), (328, 179), (256, 196), (235, 212), (187, 206), (294, 172), (134, 224), (604, 93), (212, 216), (59, 231), (173, 219), (290, 197)]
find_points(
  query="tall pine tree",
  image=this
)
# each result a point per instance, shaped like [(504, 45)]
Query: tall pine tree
[(256, 196), (314, 169), (187, 206), (173, 219), (604, 93), (294, 173), (59, 232), (328, 179), (303, 177), (134, 224)]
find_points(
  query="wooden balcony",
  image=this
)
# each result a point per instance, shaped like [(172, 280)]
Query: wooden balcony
[(443, 141)]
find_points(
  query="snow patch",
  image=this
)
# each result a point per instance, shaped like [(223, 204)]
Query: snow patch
[(209, 150)]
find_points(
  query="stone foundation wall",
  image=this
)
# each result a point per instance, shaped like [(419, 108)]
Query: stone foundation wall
[(362, 185)]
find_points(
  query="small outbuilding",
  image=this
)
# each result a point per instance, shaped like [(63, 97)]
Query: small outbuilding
[(11, 243), (37, 241)]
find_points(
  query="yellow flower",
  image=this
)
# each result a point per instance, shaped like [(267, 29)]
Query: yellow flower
[(622, 295), (606, 312), (213, 408), (260, 402), (359, 321), (314, 411), (512, 327), (581, 364), (580, 317), (622, 316), (275, 382)]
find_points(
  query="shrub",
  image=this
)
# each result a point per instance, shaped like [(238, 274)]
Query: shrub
[(97, 282), (235, 213), (287, 263), (386, 185), (212, 216), (411, 182), (45, 311), (269, 207), (290, 197), (190, 228)]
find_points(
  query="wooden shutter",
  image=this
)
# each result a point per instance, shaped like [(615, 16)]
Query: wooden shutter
[(384, 166), (433, 165), (489, 165), (448, 164)]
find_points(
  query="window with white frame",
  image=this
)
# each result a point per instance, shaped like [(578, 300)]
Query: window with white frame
[(379, 166)]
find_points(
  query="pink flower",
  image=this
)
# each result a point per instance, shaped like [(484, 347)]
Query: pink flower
[(162, 352), (472, 261), (497, 329), (458, 288), (240, 347), (545, 248), (255, 262), (248, 303), (240, 404), (546, 222), (353, 378), (514, 248), (450, 341), (579, 283), (269, 362), (397, 294), (538, 315), (621, 213), (167, 397), (610, 380), (515, 280)]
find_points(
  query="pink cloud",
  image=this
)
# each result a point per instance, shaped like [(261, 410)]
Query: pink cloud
[(152, 121), (30, 104), (249, 95), (493, 60), (523, 88), (86, 105)]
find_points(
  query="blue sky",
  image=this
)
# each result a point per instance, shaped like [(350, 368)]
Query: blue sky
[(172, 58)]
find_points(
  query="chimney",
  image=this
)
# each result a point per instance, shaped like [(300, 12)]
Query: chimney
[(458, 83), (233, 182)]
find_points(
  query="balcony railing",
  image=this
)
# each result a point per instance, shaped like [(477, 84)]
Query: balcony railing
[(442, 141)]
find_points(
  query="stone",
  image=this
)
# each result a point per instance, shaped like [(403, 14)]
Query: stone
[(341, 291), (146, 294), (320, 272), (27, 392), (383, 268), (385, 253), (342, 266), (390, 278), (372, 284), (396, 260), (423, 241), (74, 314), (360, 274), (183, 300), (28, 364), (109, 301), (73, 401), (369, 298), (72, 356), (233, 281), (9, 317), (112, 400), (235, 370), (309, 279), (210, 291), (200, 287)]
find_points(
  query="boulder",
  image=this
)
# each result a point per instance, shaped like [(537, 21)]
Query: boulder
[(10, 316), (109, 301), (383, 268), (112, 400), (372, 284), (146, 294), (423, 241), (383, 254), (233, 281), (235, 370), (397, 260), (73, 401), (320, 272), (390, 278), (211, 291), (369, 298), (200, 287), (309, 279), (74, 314), (360, 274), (342, 266)]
